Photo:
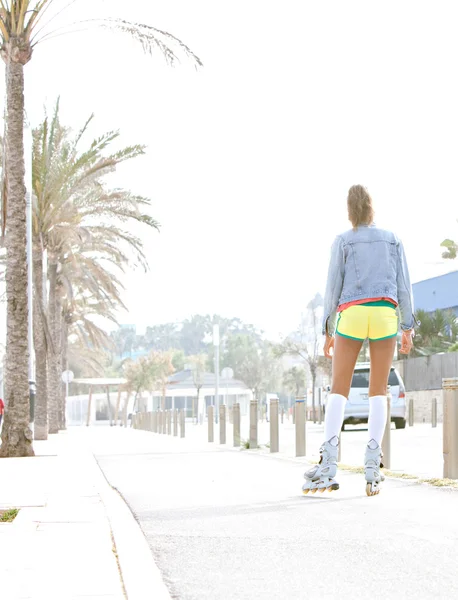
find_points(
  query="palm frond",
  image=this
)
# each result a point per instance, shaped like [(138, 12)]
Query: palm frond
[(152, 39)]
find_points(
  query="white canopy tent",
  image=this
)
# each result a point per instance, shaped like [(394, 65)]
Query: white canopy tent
[(78, 406)]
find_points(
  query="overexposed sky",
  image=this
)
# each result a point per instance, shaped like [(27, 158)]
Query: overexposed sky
[(250, 158)]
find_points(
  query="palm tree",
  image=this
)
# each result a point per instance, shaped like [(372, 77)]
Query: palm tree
[(437, 332), (20, 31), (75, 222)]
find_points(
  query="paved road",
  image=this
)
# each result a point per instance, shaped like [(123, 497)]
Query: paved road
[(225, 524)]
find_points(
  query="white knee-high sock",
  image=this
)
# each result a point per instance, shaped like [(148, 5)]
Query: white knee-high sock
[(377, 418), (335, 409)]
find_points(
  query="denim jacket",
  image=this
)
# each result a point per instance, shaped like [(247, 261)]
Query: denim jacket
[(368, 263)]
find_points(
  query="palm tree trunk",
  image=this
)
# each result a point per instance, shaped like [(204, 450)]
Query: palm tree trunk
[(64, 345), (16, 432), (41, 404), (59, 360), (53, 378)]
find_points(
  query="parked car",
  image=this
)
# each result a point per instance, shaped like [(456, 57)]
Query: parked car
[(357, 407)]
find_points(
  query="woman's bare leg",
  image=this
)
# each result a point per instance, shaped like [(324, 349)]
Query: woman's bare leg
[(346, 353), (382, 353)]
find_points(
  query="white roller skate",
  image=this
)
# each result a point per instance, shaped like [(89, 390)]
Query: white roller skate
[(372, 466), (321, 477)]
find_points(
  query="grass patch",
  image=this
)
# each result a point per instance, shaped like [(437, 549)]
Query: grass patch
[(436, 482), (245, 444), (8, 516), (389, 473), (350, 468)]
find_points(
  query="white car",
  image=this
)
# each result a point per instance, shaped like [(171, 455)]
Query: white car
[(357, 407)]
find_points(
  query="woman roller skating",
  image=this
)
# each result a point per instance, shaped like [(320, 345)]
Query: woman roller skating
[(368, 284)]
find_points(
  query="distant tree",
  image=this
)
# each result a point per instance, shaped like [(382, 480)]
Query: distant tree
[(305, 343), (194, 332), (178, 360), (451, 249), (140, 376), (295, 380), (124, 341), (162, 368), (252, 362), (162, 338)]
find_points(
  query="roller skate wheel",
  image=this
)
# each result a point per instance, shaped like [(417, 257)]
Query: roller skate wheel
[(305, 491), (370, 491), (313, 491), (322, 490)]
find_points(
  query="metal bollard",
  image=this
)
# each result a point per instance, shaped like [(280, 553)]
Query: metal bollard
[(154, 419), (182, 423), (169, 422), (274, 442), (236, 423), (450, 396), (151, 421), (411, 413), (434, 412), (282, 415), (386, 442), (299, 411), (222, 424), (211, 424), (253, 424), (175, 422)]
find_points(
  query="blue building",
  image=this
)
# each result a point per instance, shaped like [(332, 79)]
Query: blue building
[(437, 293)]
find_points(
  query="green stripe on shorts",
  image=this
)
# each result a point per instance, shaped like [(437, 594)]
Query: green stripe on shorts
[(380, 303)]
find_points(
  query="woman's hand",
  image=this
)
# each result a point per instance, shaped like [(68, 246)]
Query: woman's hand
[(407, 341), (329, 345)]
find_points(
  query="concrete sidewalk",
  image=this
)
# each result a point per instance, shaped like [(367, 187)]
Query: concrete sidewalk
[(225, 523), (65, 542)]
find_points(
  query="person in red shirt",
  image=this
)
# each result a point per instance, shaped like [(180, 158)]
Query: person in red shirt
[(2, 410)]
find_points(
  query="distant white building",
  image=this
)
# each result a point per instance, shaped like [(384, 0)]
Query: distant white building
[(181, 392)]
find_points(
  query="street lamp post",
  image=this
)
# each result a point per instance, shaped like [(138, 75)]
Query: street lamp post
[(216, 344)]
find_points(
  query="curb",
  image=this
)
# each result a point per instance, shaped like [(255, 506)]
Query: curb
[(140, 574)]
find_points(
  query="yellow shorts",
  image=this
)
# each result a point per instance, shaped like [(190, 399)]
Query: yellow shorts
[(364, 321)]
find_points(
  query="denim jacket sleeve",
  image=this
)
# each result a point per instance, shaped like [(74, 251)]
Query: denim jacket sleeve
[(405, 296), (334, 285)]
